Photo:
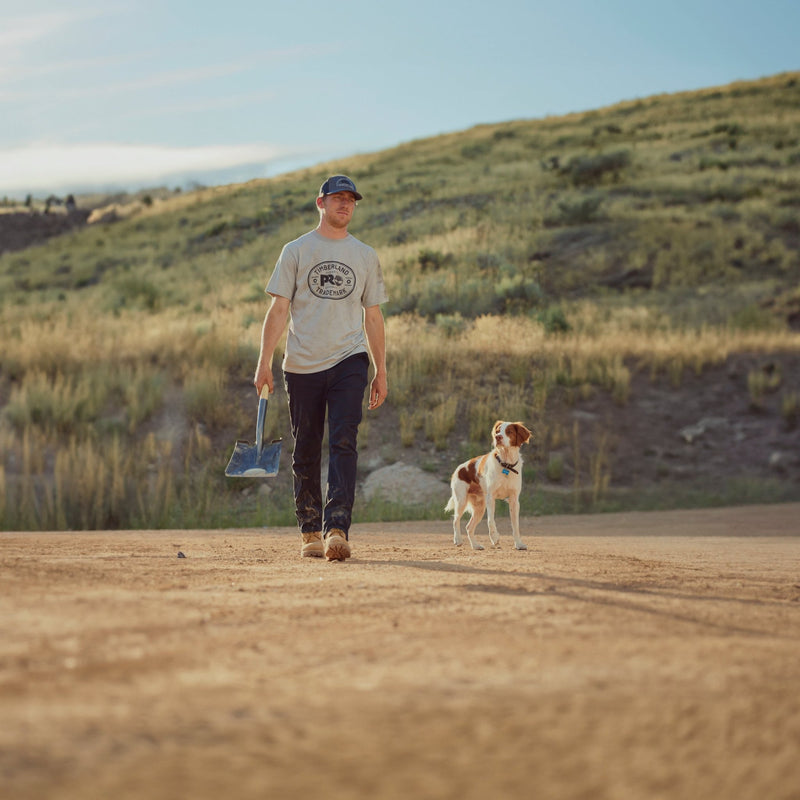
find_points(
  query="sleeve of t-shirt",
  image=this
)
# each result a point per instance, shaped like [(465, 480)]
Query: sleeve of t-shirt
[(374, 289), (284, 277)]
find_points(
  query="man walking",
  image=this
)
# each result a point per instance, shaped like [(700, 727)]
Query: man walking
[(329, 286)]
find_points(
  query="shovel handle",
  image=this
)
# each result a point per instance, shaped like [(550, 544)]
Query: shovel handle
[(262, 416)]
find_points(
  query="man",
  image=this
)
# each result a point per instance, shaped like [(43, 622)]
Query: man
[(329, 286)]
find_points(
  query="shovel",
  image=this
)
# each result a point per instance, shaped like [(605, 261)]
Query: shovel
[(259, 460)]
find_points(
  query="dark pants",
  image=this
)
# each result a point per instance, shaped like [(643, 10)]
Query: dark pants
[(339, 391)]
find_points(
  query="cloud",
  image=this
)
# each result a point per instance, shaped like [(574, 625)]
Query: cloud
[(46, 167), (67, 94), (39, 68), (97, 78), (202, 105), (156, 80), (18, 32), (22, 38)]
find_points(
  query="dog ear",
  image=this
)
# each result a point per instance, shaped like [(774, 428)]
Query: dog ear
[(520, 432), (495, 428)]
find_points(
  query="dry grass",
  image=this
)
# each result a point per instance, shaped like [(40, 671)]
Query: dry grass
[(85, 385)]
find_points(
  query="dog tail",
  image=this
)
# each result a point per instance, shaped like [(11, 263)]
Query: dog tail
[(451, 504)]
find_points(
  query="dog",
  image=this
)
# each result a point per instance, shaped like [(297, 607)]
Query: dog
[(497, 475)]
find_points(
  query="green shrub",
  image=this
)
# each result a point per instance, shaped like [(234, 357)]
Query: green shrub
[(476, 150), (554, 320), (591, 170), (555, 468), (578, 211), (137, 292), (517, 292), (753, 318), (731, 128), (216, 229), (788, 222), (437, 298), (451, 324), (433, 260)]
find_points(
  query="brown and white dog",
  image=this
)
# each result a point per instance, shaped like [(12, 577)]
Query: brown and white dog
[(477, 483)]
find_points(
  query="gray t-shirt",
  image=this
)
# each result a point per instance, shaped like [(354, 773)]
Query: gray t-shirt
[(329, 283)]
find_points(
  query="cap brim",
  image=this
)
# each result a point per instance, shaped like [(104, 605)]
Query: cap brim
[(357, 195)]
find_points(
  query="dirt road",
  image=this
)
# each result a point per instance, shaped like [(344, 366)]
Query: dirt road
[(622, 656)]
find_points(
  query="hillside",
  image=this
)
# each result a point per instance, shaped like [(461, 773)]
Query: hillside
[(670, 219)]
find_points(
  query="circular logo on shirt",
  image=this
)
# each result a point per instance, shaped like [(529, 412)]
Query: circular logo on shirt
[(331, 280)]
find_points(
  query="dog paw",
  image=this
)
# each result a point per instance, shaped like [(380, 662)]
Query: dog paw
[(521, 546), (477, 546)]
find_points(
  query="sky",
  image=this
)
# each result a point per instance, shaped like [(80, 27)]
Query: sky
[(102, 95)]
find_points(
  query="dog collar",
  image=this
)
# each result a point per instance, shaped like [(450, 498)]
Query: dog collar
[(506, 467)]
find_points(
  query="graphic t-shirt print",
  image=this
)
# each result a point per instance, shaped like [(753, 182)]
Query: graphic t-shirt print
[(331, 280)]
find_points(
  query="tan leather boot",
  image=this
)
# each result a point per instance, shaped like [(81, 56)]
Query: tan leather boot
[(337, 547), (312, 545)]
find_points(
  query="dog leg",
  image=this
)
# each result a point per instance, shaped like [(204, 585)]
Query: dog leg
[(513, 507), (458, 506), (494, 536), (457, 529), (477, 509)]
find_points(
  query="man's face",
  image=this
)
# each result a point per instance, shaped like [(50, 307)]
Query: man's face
[(338, 208)]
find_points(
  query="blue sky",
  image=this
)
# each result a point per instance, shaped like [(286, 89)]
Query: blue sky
[(133, 93)]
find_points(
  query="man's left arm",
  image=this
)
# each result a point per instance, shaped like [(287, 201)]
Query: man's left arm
[(376, 340)]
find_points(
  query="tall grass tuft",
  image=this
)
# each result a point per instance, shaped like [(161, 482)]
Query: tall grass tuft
[(143, 393), (410, 423), (60, 403), (576, 463), (440, 421), (600, 469), (789, 409), (205, 395)]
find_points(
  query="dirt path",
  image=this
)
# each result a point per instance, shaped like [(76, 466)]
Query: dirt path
[(621, 656)]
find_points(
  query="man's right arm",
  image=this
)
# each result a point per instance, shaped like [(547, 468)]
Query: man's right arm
[(271, 332)]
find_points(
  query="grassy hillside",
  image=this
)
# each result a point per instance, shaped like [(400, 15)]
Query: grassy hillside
[(534, 267)]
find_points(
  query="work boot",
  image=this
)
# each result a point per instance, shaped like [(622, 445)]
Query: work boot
[(312, 545), (337, 547)]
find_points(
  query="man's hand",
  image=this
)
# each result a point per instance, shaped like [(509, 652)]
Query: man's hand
[(263, 377), (378, 390)]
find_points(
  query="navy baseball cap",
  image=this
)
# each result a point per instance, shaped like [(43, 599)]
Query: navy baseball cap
[(338, 183)]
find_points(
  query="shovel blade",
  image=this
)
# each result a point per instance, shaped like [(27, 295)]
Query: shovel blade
[(247, 462), (259, 460)]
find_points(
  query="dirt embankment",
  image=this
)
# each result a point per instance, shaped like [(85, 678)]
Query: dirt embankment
[(19, 230)]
